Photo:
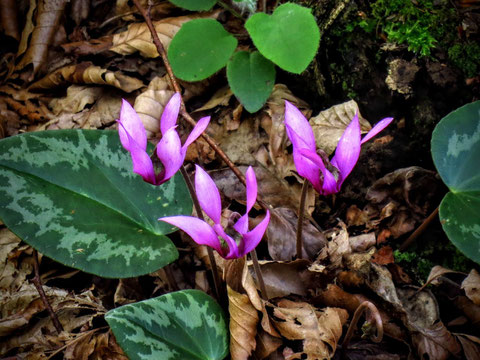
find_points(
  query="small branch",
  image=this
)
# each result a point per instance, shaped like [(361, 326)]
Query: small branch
[(419, 230), (258, 272), (301, 211), (356, 316), (216, 278), (38, 284)]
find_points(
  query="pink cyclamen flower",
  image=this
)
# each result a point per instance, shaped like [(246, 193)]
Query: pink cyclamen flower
[(170, 150), (310, 165), (243, 241)]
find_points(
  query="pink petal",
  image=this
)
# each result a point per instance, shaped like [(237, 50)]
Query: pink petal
[(196, 132), (348, 150), (329, 185), (197, 229), (251, 188), (170, 113), (382, 124), (142, 164), (168, 152), (253, 237), (241, 226), (208, 195), (300, 126), (132, 125), (232, 245)]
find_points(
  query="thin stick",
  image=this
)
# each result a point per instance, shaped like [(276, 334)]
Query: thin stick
[(258, 272), (176, 87), (38, 284), (211, 256), (301, 211), (356, 316), (419, 230)]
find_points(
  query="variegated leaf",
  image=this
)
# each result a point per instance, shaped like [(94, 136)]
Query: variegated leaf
[(456, 154), (183, 325), (72, 195)]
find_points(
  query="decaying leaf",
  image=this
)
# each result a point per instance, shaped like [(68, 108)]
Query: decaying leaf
[(150, 104), (470, 346), (86, 73), (471, 285), (221, 97), (9, 18), (266, 344), (436, 272), (47, 19), (329, 125), (319, 329), (281, 235), (158, 8)]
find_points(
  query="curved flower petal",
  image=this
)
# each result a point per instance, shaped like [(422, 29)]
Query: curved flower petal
[(348, 150), (329, 185), (168, 152), (197, 229), (300, 125), (307, 169), (241, 225), (142, 164), (253, 237), (196, 132), (382, 124), (170, 113), (208, 195), (232, 245), (132, 125)]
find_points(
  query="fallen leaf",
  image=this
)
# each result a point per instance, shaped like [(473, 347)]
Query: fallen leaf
[(383, 256), (86, 73), (471, 285), (436, 272), (156, 8), (470, 346), (221, 97), (266, 344), (338, 245), (362, 242), (401, 74), (9, 18)]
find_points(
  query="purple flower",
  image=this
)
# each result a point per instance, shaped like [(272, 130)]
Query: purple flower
[(241, 240), (170, 150), (310, 165)]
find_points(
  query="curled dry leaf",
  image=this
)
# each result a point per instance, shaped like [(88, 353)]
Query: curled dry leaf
[(86, 73), (266, 344), (319, 329), (9, 18), (281, 235), (338, 245), (470, 346), (150, 104), (436, 272), (471, 285), (329, 125), (221, 97), (47, 19)]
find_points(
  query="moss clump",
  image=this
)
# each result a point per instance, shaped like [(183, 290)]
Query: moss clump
[(466, 57)]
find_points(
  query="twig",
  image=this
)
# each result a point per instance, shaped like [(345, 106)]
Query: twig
[(216, 278), (419, 230), (38, 284), (356, 316), (258, 272), (301, 211)]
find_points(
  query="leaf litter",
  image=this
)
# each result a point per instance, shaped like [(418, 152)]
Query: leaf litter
[(61, 77)]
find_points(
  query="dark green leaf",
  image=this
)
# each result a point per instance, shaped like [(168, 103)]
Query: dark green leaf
[(456, 154), (251, 78), (182, 325), (194, 5), (199, 49), (72, 195), (289, 37)]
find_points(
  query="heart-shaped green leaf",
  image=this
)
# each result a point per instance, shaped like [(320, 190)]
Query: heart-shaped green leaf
[(199, 49), (194, 5), (456, 154), (184, 325), (289, 37), (72, 195), (251, 78)]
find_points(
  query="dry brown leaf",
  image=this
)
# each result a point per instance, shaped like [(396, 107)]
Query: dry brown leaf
[(471, 285), (329, 125), (383, 256), (362, 242), (266, 344), (470, 346), (86, 73), (320, 330), (150, 104), (436, 272), (243, 325), (158, 8), (47, 19), (221, 97), (281, 235), (338, 245), (9, 18), (138, 37)]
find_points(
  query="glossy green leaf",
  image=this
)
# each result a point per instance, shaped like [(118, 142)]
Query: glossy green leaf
[(289, 37), (199, 49), (456, 154), (72, 195), (251, 78), (183, 325), (194, 5)]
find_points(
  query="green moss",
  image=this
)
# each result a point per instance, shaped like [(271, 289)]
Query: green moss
[(466, 56)]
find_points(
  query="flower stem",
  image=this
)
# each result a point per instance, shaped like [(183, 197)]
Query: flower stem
[(419, 230), (258, 272), (211, 256), (356, 316), (301, 211)]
